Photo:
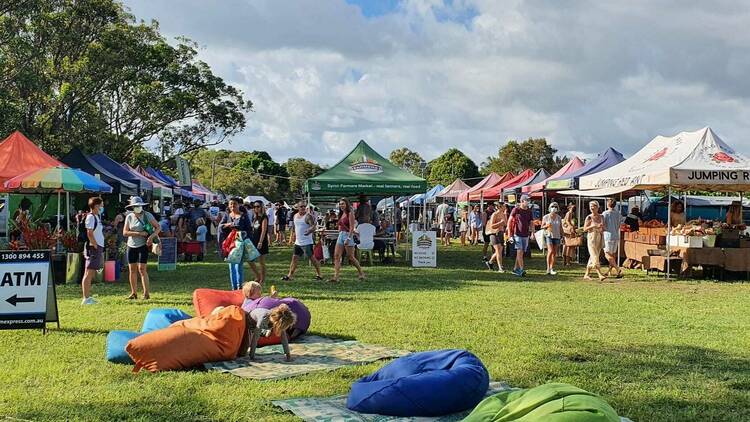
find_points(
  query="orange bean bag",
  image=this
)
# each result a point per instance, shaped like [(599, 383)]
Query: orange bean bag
[(190, 342), (206, 300)]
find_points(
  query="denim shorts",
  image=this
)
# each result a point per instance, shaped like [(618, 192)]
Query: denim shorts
[(344, 239), (552, 241), (522, 243)]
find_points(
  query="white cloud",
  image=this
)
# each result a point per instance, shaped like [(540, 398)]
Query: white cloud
[(428, 76)]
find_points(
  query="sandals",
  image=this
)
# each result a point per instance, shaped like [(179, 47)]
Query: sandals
[(146, 297), (133, 296), (333, 280), (362, 278), (318, 278), (285, 278)]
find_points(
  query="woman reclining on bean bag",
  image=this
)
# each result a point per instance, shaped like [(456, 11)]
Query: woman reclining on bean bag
[(422, 384), (555, 402)]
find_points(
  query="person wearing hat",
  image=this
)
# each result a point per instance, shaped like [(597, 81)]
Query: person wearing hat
[(141, 228), (520, 221), (552, 226)]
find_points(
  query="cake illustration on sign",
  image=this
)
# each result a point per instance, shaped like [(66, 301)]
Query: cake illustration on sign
[(424, 241), (365, 166)]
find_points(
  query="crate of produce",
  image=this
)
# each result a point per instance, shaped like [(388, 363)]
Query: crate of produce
[(681, 241), (656, 239), (709, 241)]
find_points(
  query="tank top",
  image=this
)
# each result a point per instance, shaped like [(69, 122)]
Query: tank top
[(344, 223), (301, 227)]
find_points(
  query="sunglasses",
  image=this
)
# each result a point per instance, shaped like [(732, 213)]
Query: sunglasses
[(257, 206)]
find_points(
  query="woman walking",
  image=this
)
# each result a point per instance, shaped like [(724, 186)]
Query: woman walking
[(569, 226), (496, 230), (594, 226), (260, 239), (475, 223), (237, 219), (552, 225), (463, 225), (345, 241), (141, 228)]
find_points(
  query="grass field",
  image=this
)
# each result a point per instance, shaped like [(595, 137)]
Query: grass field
[(656, 350)]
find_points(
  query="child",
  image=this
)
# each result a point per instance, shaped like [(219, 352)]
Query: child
[(448, 225), (264, 322), (200, 236)]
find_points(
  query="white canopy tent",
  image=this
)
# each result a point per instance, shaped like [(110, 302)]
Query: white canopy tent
[(697, 160)]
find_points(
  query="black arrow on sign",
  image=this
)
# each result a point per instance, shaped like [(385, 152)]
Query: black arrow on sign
[(15, 299)]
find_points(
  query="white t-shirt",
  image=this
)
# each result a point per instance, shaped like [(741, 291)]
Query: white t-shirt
[(555, 225), (301, 225), (271, 213), (95, 223)]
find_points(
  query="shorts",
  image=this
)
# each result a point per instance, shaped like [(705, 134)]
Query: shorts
[(522, 243), (486, 237), (552, 241), (94, 258), (304, 250), (344, 239), (496, 239), (610, 246), (281, 228), (138, 255)]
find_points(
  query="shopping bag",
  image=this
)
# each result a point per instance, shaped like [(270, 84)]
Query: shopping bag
[(229, 243), (156, 249), (539, 236), (326, 252), (237, 253), (251, 252), (73, 272), (318, 251), (110, 272)]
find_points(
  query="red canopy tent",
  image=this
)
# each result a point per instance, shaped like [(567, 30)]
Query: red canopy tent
[(475, 192), (535, 190), (19, 155), (496, 191)]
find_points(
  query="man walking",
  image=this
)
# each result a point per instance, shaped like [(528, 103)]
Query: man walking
[(612, 220), (94, 250), (304, 227), (521, 222)]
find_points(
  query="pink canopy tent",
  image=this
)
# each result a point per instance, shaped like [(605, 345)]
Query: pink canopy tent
[(475, 192), (535, 190), (496, 191)]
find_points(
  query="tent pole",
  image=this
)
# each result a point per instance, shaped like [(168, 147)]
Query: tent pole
[(578, 223), (67, 209), (619, 209), (424, 210), (58, 211), (669, 228)]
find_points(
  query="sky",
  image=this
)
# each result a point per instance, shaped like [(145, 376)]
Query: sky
[(431, 75)]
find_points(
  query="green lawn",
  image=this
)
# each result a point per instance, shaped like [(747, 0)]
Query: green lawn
[(656, 350)]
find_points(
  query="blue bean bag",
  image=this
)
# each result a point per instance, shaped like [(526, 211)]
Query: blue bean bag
[(432, 383), (156, 319), (116, 342)]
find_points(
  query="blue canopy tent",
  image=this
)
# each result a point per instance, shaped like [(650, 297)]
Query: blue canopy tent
[(605, 160), (77, 159), (169, 181), (115, 168), (430, 195)]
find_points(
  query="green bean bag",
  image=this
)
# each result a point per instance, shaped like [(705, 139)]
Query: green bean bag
[(554, 402)]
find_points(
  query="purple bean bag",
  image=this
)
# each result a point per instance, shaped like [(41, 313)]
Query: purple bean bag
[(299, 308)]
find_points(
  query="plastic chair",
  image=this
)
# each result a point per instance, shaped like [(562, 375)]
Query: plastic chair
[(366, 239)]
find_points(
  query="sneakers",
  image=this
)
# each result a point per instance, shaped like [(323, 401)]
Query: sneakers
[(552, 272), (285, 278), (500, 270), (89, 301), (518, 272), (488, 264)]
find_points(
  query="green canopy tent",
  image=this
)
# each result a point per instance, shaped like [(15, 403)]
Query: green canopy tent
[(364, 171)]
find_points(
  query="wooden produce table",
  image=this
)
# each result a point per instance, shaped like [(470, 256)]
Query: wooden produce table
[(692, 257), (636, 251)]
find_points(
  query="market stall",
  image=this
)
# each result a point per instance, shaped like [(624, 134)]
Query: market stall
[(475, 193), (120, 186), (144, 186), (495, 192), (453, 191), (511, 193), (688, 161), (536, 190)]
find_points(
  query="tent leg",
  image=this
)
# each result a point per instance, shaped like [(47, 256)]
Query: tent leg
[(619, 209), (578, 249), (67, 210), (424, 210), (669, 229), (58, 211)]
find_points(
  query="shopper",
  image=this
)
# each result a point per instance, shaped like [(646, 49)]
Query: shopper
[(486, 216), (345, 240), (521, 222), (463, 226), (94, 250), (259, 238), (304, 228), (496, 227), (594, 227), (612, 221), (236, 220), (571, 238), (552, 226), (141, 228), (475, 225), (447, 227)]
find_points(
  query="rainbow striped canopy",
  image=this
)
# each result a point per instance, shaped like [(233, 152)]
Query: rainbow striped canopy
[(56, 179)]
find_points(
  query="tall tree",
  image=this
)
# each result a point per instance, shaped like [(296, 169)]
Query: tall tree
[(221, 170), (530, 154), (451, 165), (85, 73), (261, 164), (407, 160), (299, 171)]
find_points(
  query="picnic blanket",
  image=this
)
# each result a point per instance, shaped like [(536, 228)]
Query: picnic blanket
[(333, 409), (309, 354)]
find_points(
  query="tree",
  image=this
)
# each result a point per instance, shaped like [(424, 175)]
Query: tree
[(530, 154), (261, 164), (84, 73), (299, 171), (221, 170), (407, 160), (451, 165)]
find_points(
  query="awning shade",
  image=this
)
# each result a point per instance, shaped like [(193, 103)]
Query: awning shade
[(453, 190), (605, 160), (572, 166), (496, 191), (77, 159), (19, 155), (116, 169)]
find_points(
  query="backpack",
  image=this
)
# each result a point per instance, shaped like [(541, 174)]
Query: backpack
[(82, 233)]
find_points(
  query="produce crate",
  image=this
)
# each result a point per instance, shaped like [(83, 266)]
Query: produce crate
[(656, 239), (681, 241), (657, 231)]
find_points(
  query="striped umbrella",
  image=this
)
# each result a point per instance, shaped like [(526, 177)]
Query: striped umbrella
[(56, 179)]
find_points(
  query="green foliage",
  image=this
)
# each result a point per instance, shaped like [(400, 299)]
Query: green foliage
[(220, 169), (530, 154), (260, 163), (449, 166), (300, 170), (84, 73), (407, 160)]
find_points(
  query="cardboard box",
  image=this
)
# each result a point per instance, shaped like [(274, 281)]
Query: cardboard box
[(657, 231), (681, 241), (657, 240)]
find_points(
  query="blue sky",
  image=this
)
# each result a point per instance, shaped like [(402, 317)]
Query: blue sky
[(472, 74)]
